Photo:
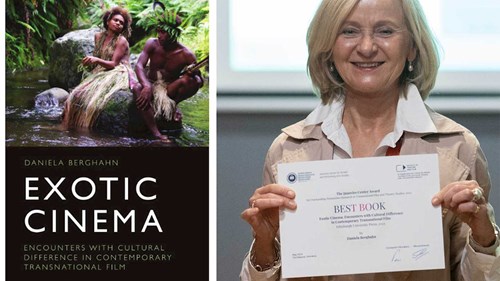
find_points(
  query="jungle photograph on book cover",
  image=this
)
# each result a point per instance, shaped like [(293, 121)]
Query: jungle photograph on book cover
[(106, 135)]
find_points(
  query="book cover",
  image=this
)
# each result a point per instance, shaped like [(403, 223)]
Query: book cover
[(110, 200)]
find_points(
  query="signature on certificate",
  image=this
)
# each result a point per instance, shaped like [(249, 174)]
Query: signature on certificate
[(420, 253), (396, 256)]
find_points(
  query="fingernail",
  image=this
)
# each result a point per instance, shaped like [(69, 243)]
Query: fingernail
[(291, 203), (290, 193)]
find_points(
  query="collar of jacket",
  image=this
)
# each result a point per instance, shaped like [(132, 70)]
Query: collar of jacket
[(300, 131)]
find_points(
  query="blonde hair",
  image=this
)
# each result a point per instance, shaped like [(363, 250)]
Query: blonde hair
[(323, 32)]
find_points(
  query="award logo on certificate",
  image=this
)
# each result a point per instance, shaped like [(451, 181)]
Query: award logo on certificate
[(361, 215)]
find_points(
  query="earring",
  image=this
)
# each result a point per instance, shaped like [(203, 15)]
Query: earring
[(331, 68), (410, 66)]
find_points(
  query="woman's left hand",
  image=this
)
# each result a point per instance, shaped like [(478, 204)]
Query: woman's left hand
[(466, 200)]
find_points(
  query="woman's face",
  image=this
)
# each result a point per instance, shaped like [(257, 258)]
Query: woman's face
[(115, 23), (372, 47)]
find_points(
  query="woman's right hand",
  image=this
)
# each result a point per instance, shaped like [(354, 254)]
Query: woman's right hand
[(263, 211), (89, 60)]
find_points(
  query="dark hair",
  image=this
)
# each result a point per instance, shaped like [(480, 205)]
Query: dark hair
[(126, 17)]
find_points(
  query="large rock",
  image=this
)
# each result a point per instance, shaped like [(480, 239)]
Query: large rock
[(66, 54), (121, 117), (52, 97)]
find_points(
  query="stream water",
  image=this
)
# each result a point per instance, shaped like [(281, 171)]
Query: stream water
[(28, 125)]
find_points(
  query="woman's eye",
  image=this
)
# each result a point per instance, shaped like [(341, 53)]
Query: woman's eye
[(384, 32), (351, 32)]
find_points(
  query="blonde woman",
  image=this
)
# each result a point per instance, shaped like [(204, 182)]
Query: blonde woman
[(373, 63)]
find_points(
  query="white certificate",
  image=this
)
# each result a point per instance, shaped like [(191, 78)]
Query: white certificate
[(361, 215)]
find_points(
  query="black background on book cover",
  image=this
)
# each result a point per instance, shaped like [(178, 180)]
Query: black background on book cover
[(181, 208)]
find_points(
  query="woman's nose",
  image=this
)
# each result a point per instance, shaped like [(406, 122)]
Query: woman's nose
[(367, 45)]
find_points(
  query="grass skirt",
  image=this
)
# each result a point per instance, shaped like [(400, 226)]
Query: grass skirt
[(163, 105), (89, 98)]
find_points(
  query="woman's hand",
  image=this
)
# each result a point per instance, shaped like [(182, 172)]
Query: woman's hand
[(89, 60), (263, 216), (466, 200), (263, 211)]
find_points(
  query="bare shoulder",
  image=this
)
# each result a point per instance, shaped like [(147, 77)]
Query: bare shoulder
[(151, 42), (188, 55), (122, 41), (97, 36), (150, 45)]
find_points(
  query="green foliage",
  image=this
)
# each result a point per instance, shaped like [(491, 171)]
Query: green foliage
[(84, 69), (32, 25), (196, 108), (16, 52), (194, 26), (97, 8), (197, 38), (137, 47)]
